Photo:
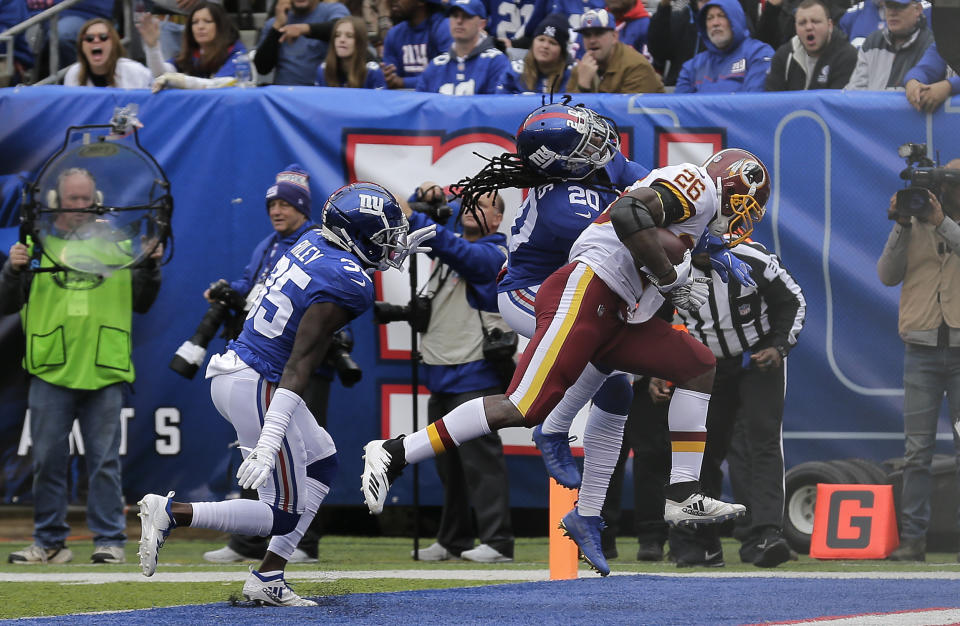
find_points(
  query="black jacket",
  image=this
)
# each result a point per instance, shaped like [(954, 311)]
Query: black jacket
[(788, 70)]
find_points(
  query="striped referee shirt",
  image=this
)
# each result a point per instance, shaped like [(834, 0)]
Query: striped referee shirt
[(738, 318)]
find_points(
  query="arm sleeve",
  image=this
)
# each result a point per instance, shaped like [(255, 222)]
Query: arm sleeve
[(858, 80), (641, 78), (842, 68), (757, 69), (892, 265), (930, 69), (950, 231), (268, 50), (787, 308), (146, 286), (155, 60), (13, 289), (776, 80), (475, 261)]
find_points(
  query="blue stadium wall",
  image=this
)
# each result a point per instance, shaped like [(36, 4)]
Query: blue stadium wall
[(833, 158)]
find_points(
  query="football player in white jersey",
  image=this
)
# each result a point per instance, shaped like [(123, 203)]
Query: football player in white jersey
[(316, 287), (598, 310)]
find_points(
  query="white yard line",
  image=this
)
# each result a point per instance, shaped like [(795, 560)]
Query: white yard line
[(508, 575)]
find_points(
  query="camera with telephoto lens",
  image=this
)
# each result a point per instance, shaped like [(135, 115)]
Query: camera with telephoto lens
[(416, 312), (499, 346), (338, 357), (227, 302), (923, 175)]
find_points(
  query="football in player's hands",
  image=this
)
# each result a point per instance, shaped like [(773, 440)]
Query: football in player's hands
[(674, 245)]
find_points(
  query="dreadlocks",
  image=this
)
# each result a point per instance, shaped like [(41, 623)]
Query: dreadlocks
[(510, 170)]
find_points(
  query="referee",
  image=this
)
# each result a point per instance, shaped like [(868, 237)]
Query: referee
[(750, 329)]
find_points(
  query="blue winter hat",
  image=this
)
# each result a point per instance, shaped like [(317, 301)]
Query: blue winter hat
[(470, 7), (292, 185)]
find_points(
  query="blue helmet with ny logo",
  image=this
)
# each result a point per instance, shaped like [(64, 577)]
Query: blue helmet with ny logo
[(367, 220), (566, 142)]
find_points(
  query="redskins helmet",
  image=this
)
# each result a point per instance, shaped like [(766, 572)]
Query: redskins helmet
[(567, 143), (743, 187)]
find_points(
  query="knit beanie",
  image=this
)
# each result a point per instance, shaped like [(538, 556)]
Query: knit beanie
[(555, 25), (293, 185)]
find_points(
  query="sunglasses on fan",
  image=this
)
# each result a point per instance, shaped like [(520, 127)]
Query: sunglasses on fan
[(92, 38)]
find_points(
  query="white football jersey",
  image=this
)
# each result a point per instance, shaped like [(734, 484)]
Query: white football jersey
[(600, 248)]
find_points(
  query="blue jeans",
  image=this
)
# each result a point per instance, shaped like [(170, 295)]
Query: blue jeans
[(52, 411), (928, 374)]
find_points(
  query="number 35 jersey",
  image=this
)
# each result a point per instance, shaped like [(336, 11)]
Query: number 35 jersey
[(600, 248), (311, 271)]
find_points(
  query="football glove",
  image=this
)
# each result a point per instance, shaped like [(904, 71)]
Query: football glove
[(256, 468), (411, 242)]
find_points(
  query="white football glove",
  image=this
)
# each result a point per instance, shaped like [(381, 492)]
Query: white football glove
[(692, 296), (411, 242), (256, 468)]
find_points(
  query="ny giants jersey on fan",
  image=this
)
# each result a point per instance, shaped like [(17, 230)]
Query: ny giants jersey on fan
[(311, 271), (551, 218), (601, 249)]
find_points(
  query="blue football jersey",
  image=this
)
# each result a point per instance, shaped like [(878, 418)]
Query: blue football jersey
[(410, 48), (506, 19), (311, 271), (481, 72), (552, 217)]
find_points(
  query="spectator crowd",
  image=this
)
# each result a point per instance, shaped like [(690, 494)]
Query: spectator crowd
[(465, 47)]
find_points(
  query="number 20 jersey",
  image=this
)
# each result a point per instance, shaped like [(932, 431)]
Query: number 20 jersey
[(600, 248), (311, 271)]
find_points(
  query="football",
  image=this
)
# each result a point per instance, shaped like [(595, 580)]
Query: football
[(674, 245)]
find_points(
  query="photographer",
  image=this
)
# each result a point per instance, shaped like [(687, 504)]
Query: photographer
[(923, 253), (288, 206), (462, 277)]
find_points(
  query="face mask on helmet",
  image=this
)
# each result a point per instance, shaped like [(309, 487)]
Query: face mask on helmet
[(366, 219), (743, 187), (568, 143)]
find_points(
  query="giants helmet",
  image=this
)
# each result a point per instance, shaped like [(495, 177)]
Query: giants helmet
[(743, 187), (366, 219), (564, 142)]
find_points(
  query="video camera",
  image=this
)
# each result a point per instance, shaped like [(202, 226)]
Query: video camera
[(227, 302), (923, 175), (416, 312)]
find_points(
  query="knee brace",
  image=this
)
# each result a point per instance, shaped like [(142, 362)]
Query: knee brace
[(325, 470), (283, 522), (615, 396)]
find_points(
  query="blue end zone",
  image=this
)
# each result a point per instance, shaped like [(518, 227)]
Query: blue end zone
[(640, 599)]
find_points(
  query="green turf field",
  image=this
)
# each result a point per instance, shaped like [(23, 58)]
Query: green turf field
[(337, 553)]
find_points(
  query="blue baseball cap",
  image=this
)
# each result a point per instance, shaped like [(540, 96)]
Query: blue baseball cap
[(596, 19), (470, 7)]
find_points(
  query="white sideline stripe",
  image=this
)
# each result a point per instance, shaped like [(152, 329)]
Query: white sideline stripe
[(517, 575), (929, 617)]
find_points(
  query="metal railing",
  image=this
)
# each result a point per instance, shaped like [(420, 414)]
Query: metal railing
[(53, 40)]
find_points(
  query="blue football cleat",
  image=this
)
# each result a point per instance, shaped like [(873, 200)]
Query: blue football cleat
[(585, 530), (555, 450)]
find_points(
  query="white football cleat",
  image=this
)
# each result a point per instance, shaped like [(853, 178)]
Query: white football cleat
[(700, 509), (271, 589), (374, 482), (155, 526)]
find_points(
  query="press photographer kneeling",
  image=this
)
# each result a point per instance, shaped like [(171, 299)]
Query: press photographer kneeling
[(288, 207), (923, 253), (451, 313)]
